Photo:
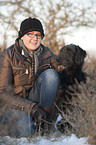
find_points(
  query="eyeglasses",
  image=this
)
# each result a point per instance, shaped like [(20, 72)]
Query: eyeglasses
[(32, 35)]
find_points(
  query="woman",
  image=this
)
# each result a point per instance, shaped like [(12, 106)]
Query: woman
[(30, 69)]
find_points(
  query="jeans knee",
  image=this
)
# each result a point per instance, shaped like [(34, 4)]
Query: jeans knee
[(51, 76)]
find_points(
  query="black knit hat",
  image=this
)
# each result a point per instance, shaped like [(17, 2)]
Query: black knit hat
[(30, 24)]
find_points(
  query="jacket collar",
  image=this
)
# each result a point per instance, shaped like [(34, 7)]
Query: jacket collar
[(24, 51)]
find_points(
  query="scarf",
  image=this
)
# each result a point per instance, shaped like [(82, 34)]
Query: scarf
[(31, 56)]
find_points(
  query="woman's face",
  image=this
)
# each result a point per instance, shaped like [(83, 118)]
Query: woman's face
[(32, 40)]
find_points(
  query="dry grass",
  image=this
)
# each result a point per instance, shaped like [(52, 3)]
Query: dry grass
[(80, 114)]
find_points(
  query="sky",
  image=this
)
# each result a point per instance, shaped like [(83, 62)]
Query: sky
[(85, 38)]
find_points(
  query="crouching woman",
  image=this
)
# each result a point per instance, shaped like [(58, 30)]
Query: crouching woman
[(28, 81)]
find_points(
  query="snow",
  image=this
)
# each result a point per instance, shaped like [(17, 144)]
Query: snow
[(59, 118), (62, 140), (56, 138)]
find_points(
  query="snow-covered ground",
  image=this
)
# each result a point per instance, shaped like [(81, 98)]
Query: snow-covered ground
[(54, 140)]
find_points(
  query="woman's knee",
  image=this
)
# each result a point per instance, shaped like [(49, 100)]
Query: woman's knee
[(51, 76)]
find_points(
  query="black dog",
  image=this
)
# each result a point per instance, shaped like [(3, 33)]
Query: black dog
[(71, 60), (70, 63)]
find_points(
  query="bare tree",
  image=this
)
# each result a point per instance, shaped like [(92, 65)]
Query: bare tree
[(57, 17)]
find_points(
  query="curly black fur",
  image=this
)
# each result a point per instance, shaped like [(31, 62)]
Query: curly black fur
[(70, 60), (71, 57)]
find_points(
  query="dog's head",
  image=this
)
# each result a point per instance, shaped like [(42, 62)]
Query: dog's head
[(71, 57)]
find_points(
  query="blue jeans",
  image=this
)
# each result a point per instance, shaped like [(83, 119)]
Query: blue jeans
[(43, 93), (19, 123), (45, 88)]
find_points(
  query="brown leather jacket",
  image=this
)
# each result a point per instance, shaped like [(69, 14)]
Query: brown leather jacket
[(17, 73)]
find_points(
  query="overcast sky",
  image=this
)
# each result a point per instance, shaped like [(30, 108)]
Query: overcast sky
[(84, 37)]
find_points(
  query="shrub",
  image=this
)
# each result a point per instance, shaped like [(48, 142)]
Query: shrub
[(79, 113)]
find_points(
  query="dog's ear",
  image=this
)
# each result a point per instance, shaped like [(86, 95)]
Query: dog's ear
[(80, 55)]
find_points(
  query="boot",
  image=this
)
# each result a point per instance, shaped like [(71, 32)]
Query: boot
[(49, 112), (37, 113)]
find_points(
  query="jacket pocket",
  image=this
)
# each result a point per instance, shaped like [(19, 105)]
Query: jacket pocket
[(19, 70), (21, 76)]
